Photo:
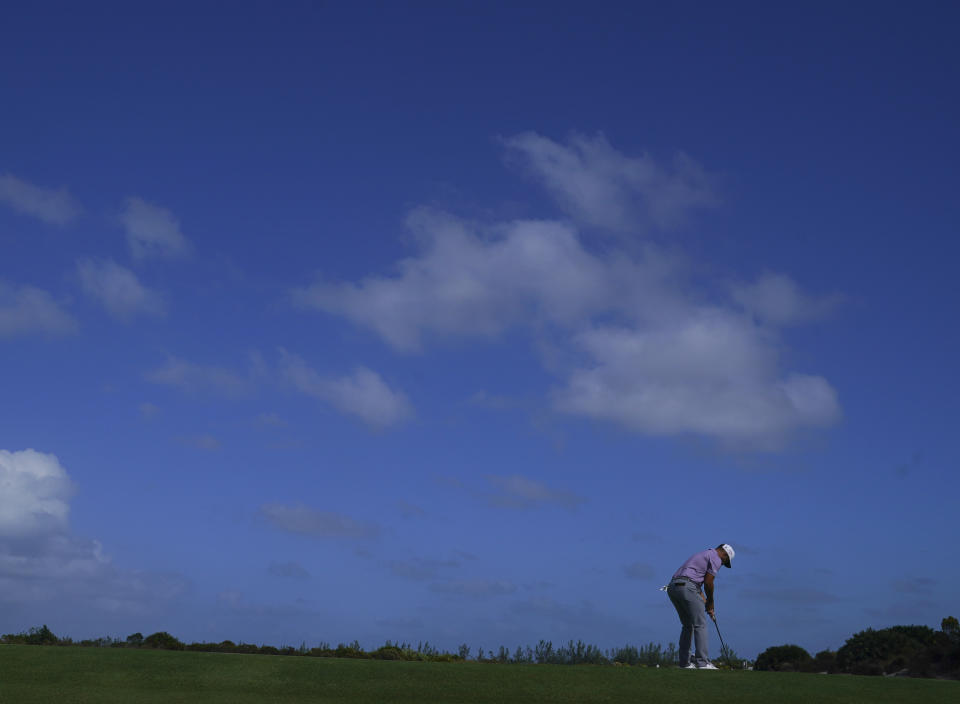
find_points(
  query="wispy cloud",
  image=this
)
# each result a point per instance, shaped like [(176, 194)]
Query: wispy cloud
[(202, 441), (362, 394), (420, 569), (54, 206), (118, 289), (777, 299), (792, 595), (196, 378), (473, 282), (914, 585), (409, 510), (539, 611), (303, 520), (601, 187), (152, 231), (289, 570), (520, 492), (26, 310), (271, 420), (475, 588), (639, 570)]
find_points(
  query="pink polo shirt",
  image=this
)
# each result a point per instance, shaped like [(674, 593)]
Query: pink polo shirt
[(697, 566)]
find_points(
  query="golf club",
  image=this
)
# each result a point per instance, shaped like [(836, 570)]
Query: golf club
[(714, 618)]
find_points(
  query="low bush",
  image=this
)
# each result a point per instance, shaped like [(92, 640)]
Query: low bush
[(783, 658), (162, 640)]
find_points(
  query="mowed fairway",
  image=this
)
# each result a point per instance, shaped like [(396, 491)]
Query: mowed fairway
[(102, 675)]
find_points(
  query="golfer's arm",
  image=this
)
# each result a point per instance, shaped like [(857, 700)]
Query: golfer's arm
[(708, 589)]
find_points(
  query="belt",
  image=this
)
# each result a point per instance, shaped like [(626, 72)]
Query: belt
[(676, 580)]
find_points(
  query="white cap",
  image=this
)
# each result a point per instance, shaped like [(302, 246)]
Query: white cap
[(730, 553)]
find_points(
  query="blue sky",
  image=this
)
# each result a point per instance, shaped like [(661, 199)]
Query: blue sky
[(469, 322)]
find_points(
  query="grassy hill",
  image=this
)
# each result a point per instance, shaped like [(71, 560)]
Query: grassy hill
[(70, 675)]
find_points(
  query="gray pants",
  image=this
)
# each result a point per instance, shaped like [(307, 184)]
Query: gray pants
[(686, 600)]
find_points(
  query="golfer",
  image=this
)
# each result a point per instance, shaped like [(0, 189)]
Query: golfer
[(684, 590)]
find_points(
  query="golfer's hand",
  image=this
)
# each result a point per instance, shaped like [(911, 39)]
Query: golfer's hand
[(712, 614)]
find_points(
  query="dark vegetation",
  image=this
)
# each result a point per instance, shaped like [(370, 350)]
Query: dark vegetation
[(545, 653), (914, 651)]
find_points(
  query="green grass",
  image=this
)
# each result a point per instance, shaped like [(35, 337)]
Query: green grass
[(69, 675)]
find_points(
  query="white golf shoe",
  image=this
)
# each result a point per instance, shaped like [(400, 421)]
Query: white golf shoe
[(689, 666), (708, 666)]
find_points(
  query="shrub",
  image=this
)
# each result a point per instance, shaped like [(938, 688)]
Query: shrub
[(873, 652), (41, 636), (824, 661), (246, 649), (783, 658), (729, 659), (162, 640), (350, 651), (322, 651), (387, 652)]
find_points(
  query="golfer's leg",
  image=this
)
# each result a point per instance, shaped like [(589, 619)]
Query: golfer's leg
[(685, 636), (686, 633), (696, 620), (700, 636)]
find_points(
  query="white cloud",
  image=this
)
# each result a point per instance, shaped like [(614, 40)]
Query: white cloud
[(631, 336), (601, 187), (363, 393), (152, 231), (26, 310), (303, 520), (473, 282), (519, 492), (197, 378), (776, 299), (118, 289), (671, 365), (41, 561), (35, 496), (710, 372), (56, 207)]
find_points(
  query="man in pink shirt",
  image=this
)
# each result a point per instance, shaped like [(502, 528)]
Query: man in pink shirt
[(694, 575)]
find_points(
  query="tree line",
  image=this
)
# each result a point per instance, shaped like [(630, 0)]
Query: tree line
[(906, 651), (915, 651), (545, 652)]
